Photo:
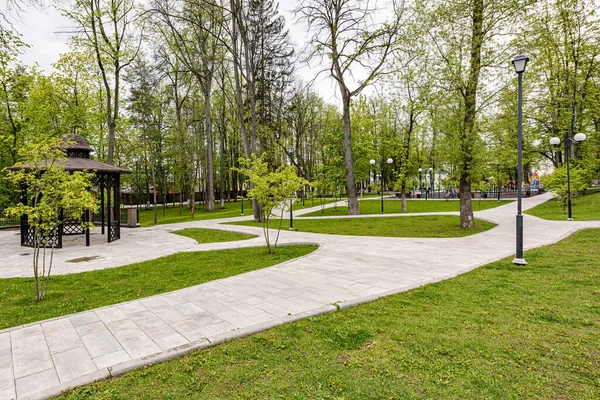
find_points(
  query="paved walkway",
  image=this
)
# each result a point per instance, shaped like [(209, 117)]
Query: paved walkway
[(41, 359)]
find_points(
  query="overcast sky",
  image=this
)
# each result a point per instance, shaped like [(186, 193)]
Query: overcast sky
[(40, 29)]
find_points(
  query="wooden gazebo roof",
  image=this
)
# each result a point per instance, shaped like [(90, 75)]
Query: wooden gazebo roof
[(78, 152)]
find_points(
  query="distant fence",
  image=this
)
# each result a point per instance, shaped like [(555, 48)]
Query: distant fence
[(8, 222)]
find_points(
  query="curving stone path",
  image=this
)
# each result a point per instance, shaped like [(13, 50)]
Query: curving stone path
[(41, 359)]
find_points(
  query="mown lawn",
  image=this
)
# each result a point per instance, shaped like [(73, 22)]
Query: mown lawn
[(68, 294), (498, 332), (426, 226), (201, 235), (413, 206), (584, 208)]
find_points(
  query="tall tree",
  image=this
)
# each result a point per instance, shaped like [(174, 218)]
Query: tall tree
[(463, 38), (112, 29), (345, 32)]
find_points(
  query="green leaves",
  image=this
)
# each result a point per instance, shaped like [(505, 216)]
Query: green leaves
[(558, 183), (53, 195), (272, 189)]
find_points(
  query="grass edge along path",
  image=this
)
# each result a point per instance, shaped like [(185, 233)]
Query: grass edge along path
[(68, 294), (585, 208), (232, 209), (499, 331), (205, 235), (368, 207), (424, 226)]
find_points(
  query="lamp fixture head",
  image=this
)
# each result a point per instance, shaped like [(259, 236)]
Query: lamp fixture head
[(389, 161), (580, 137), (291, 149), (554, 141), (136, 158), (372, 162), (520, 62)]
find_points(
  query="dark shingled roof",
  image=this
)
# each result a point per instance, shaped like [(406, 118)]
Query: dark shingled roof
[(76, 142)]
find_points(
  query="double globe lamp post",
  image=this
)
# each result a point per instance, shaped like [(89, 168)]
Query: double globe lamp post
[(372, 162), (578, 138)]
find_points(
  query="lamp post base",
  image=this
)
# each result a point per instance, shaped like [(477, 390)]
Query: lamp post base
[(519, 261), (291, 229), (570, 219)]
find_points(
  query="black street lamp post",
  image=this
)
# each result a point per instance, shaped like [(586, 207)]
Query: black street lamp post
[(421, 181), (498, 184), (136, 158), (427, 183), (497, 179), (372, 162), (578, 138), (520, 62), (291, 151), (433, 184)]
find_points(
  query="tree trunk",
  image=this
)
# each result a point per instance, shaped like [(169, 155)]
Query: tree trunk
[(222, 146), (468, 134), (348, 161), (210, 185)]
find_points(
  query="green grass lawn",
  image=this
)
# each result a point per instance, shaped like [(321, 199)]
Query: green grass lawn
[(78, 292), (232, 209), (414, 206), (212, 235), (584, 208), (498, 332), (430, 226)]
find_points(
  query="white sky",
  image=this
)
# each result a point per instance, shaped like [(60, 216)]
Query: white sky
[(40, 29)]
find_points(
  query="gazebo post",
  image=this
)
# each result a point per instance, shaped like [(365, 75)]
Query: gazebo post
[(117, 206), (102, 209), (24, 219), (108, 216)]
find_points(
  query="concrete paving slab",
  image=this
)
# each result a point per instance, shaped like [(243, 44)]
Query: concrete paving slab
[(84, 318), (61, 335), (137, 343), (111, 359), (37, 382), (29, 348), (101, 343), (72, 364), (7, 383)]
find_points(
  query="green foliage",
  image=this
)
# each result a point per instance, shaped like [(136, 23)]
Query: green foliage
[(557, 181), (53, 196), (272, 189)]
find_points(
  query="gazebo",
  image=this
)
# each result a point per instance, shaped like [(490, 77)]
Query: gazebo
[(107, 178)]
